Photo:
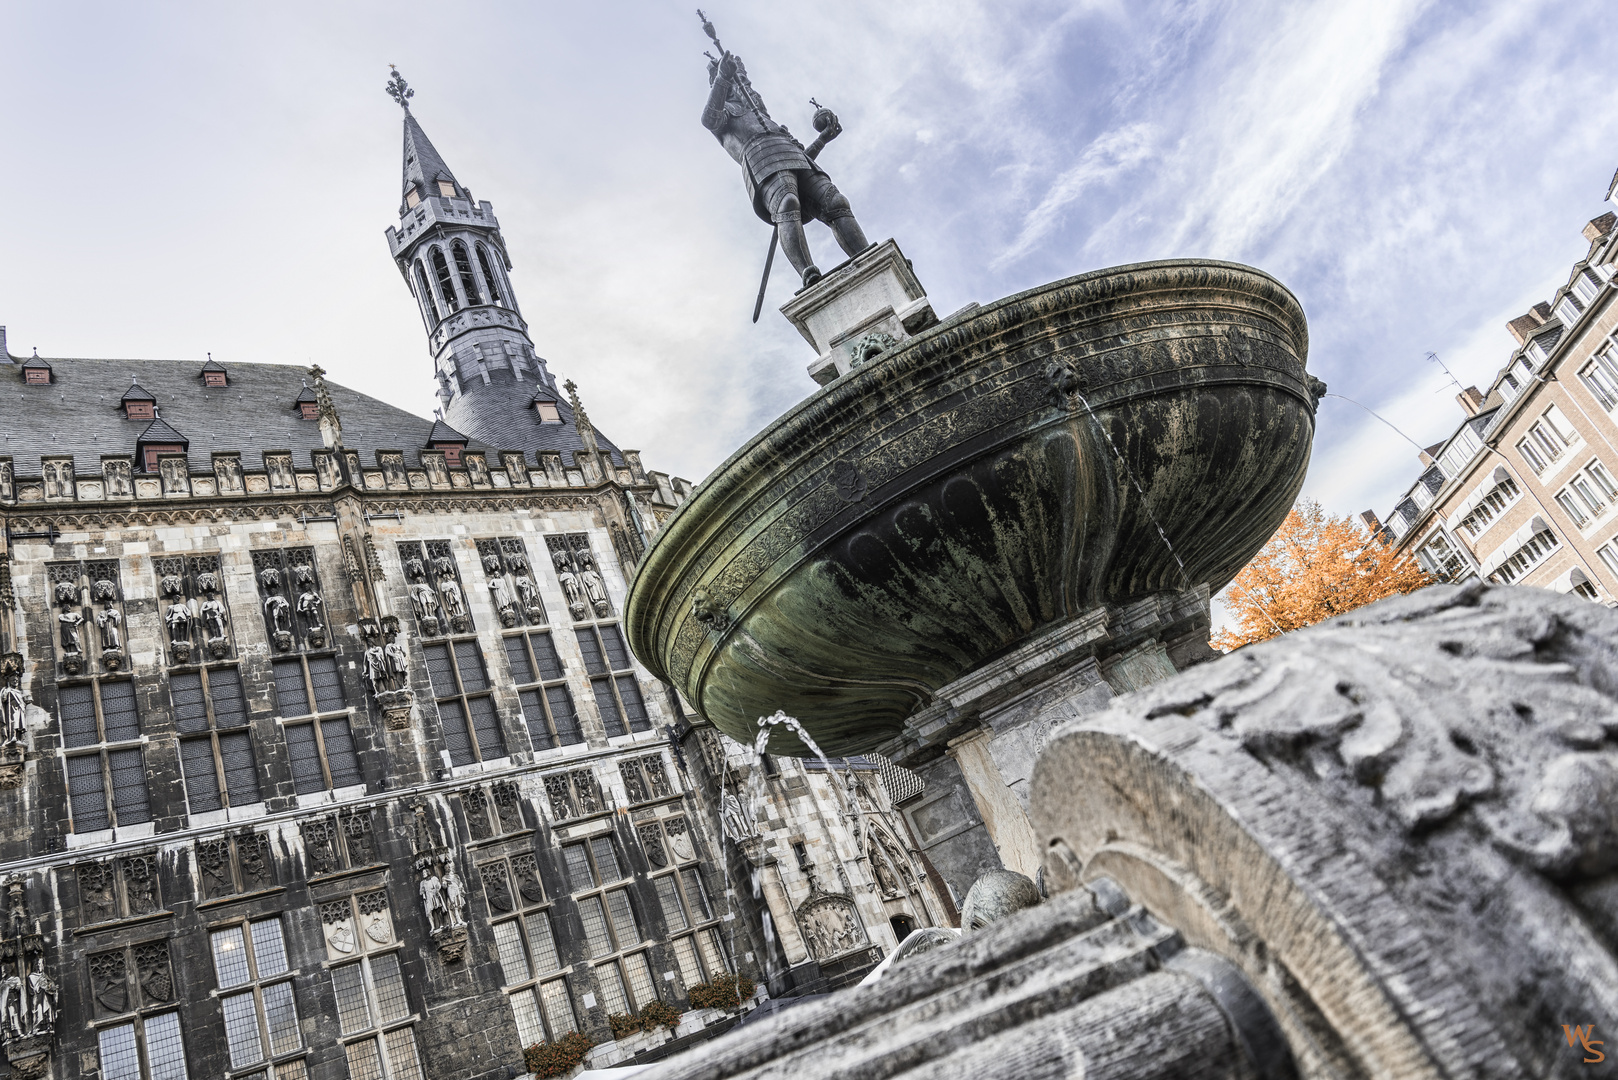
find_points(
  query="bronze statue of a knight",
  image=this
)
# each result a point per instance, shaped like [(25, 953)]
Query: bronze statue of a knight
[(784, 182)]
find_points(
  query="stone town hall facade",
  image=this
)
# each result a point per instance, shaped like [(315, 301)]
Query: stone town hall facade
[(324, 755)]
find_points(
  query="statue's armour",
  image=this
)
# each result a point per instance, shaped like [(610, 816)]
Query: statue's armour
[(765, 155)]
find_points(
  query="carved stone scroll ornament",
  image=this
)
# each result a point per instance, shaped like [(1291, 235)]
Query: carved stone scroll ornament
[(1408, 810)]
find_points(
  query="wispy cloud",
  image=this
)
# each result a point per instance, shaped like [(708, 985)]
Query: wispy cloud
[(1109, 157)]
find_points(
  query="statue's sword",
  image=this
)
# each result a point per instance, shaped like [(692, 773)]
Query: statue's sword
[(769, 258)]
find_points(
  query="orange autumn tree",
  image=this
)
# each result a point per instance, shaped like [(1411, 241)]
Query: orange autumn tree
[(1314, 567)]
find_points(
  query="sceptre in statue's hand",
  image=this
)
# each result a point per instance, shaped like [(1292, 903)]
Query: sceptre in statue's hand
[(783, 181)]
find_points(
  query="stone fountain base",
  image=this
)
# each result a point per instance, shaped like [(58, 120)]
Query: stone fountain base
[(1383, 846), (976, 745)]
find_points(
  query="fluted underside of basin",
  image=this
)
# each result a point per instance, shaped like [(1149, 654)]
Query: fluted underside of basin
[(936, 507)]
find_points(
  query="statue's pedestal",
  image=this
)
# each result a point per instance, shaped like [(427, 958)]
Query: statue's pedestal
[(976, 744), (859, 310)]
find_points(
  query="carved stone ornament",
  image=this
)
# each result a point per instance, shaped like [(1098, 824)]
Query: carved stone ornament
[(396, 706)]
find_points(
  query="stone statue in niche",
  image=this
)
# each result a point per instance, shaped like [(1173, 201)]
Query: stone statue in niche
[(528, 593), (454, 898), (116, 474), (309, 605), (454, 603), (279, 466), (737, 820), (504, 602), (213, 622), (570, 585), (279, 614), (176, 476), (108, 622), (432, 900), (12, 1006), (437, 472), (70, 622), (59, 479), (375, 669), (228, 472), (393, 470), (13, 706), (178, 617), (328, 472), (425, 601), (594, 588), (886, 880), (96, 899), (140, 884), (42, 991), (387, 670)]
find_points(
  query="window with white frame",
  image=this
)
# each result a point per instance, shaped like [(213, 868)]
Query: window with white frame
[(1525, 558), (1609, 555), (1439, 558), (147, 1048), (1600, 377), (1481, 516), (374, 1018), (1568, 309), (1585, 287), (1547, 439), (256, 997)]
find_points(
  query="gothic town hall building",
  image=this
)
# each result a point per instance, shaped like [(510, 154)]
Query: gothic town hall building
[(323, 753)]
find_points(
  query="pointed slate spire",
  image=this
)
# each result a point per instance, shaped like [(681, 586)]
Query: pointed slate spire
[(422, 164)]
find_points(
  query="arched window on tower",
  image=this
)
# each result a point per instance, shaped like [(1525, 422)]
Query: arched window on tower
[(489, 276), (463, 266), (428, 305), (446, 285)]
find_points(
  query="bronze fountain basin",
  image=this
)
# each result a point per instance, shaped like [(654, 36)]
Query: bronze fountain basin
[(988, 479)]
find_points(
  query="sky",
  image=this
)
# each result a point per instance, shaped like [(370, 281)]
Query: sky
[(185, 179)]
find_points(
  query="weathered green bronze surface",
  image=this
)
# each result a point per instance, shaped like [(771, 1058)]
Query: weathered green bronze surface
[(947, 500)]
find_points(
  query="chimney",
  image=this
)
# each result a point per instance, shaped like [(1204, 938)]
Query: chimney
[(1600, 226), (1523, 325), (1370, 519), (1429, 455), (1470, 398), (5, 353)]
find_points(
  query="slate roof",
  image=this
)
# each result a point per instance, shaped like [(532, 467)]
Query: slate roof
[(423, 163), (77, 415), (501, 413), (213, 365), (137, 392), (442, 432)]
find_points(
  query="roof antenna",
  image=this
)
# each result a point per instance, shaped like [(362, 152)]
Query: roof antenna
[(1434, 358)]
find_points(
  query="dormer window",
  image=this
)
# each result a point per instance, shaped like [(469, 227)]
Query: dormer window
[(138, 403), (213, 373), (36, 372), (446, 188), (307, 404), (412, 198), (452, 453), (548, 413)]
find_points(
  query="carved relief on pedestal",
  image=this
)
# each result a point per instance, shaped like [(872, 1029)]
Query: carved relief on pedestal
[(387, 670), (28, 992), (393, 469), (58, 475), (832, 926)]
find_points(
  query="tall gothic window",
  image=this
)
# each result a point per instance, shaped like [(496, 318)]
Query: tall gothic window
[(489, 276), (463, 266), (465, 708), (446, 284), (216, 751), (429, 306), (529, 962), (690, 917), (612, 933), (373, 1007), (150, 1047), (101, 740), (547, 704), (320, 740), (612, 679), (256, 996)]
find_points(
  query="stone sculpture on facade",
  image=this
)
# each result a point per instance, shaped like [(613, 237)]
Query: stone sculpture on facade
[(594, 589), (505, 604), (68, 621), (387, 670), (528, 594), (783, 181), (28, 992), (309, 606), (425, 601), (571, 588), (178, 619), (13, 721)]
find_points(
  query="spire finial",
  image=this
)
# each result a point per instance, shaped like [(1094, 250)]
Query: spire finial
[(587, 431), (399, 90)]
